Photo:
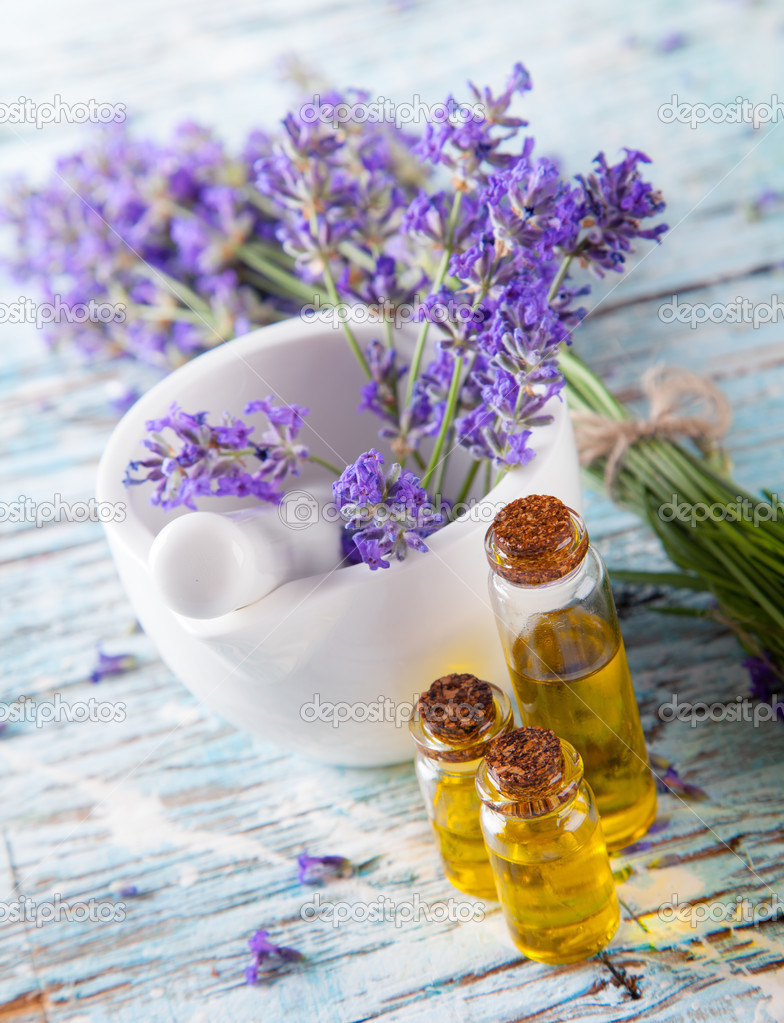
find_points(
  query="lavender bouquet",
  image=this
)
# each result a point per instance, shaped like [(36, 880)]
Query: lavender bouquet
[(481, 247), (154, 251)]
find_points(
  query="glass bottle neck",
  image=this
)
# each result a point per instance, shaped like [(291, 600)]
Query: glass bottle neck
[(430, 746), (540, 565), (554, 800)]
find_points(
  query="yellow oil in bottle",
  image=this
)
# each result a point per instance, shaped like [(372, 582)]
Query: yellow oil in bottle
[(554, 882), (570, 674), (458, 832)]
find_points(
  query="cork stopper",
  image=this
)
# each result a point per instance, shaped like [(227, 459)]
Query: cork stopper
[(536, 539), (456, 707), (526, 763)]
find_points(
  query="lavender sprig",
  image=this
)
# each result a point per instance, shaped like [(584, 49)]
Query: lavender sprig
[(388, 513), (262, 950), (192, 458), (317, 869), (152, 237)]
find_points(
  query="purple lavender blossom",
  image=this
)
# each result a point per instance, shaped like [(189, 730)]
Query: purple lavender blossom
[(262, 949), (672, 41), (111, 664), (668, 780), (337, 188), (380, 395), (614, 201), (470, 140), (221, 460), (145, 230), (388, 513), (318, 869), (765, 681)]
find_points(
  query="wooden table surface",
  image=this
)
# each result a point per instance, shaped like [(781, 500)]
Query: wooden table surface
[(205, 821)]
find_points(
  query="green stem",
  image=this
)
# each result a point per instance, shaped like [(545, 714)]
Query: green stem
[(323, 462), (446, 422), (332, 294), (277, 276), (439, 488), (468, 482), (438, 280), (563, 270)]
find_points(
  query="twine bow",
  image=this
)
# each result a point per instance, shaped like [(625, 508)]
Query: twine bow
[(670, 392)]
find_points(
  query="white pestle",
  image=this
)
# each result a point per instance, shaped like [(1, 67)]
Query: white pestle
[(206, 564)]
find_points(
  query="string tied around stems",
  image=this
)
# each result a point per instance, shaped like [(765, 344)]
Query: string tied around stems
[(671, 394)]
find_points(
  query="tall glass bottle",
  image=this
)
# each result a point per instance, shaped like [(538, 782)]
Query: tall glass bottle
[(453, 725), (560, 633)]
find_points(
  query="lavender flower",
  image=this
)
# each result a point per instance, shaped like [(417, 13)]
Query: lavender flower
[(765, 680), (317, 869), (389, 513), (485, 260), (220, 460), (123, 891), (340, 190), (379, 395), (111, 664), (614, 201), (262, 949), (668, 780), (155, 234), (469, 144)]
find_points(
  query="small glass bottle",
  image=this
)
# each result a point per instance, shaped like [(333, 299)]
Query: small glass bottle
[(546, 846), (453, 725), (559, 628)]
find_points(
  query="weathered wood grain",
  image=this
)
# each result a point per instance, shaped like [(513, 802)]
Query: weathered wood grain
[(205, 821)]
